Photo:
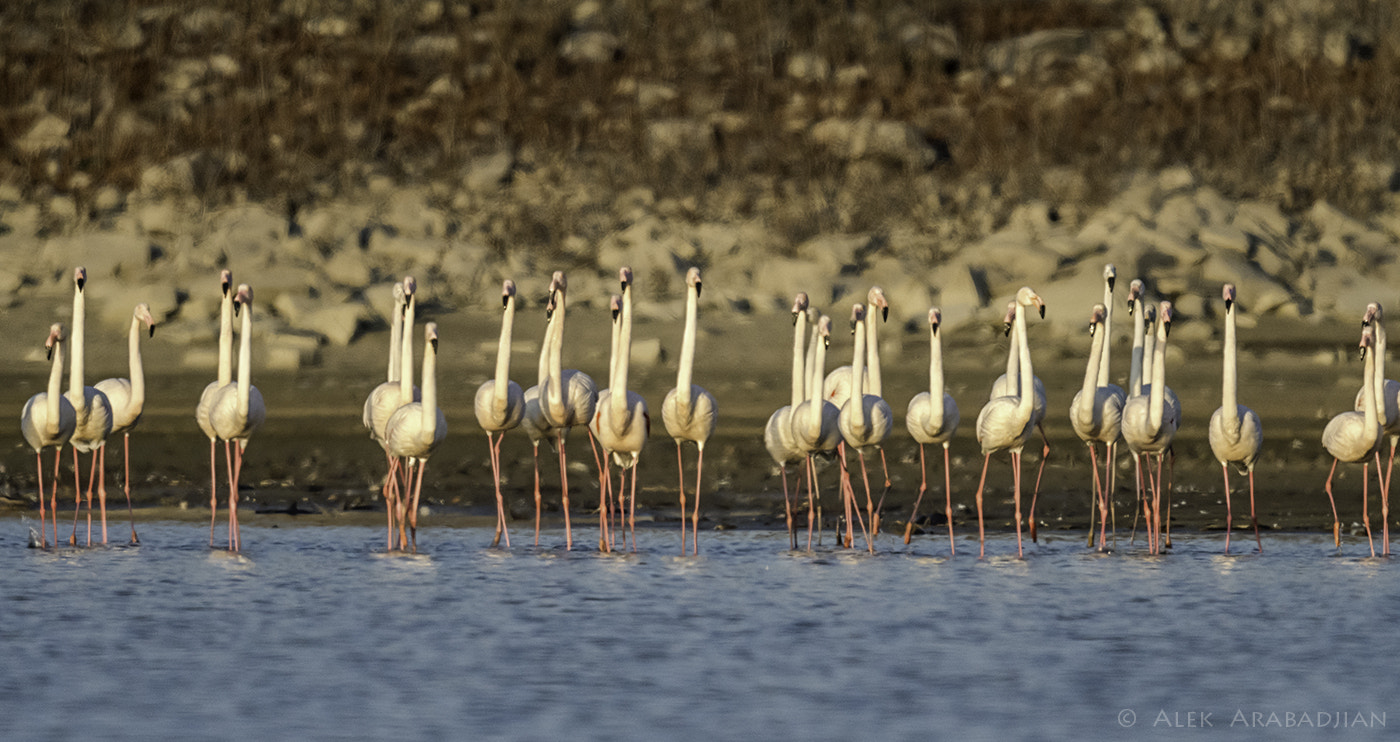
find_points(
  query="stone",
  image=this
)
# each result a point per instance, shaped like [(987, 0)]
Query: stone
[(348, 268), (104, 254), (1037, 50), (114, 303), (48, 133), (488, 172)]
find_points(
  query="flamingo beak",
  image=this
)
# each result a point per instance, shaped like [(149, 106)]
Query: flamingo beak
[(1111, 280), (698, 286)]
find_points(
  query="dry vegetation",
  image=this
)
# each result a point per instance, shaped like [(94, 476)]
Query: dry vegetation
[(303, 100)]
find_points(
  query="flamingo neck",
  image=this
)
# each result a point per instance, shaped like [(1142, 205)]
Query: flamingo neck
[(857, 400), (624, 350), (800, 383), (245, 361), (503, 353), (1026, 402), (1368, 396), (406, 352), (1159, 378), (1089, 390), (556, 360), (935, 378), (1380, 367), (687, 362), (137, 369), (428, 389), (1139, 343), (395, 344), (1229, 383), (872, 350), (226, 339), (1104, 378), (75, 367), (55, 390), (817, 402)]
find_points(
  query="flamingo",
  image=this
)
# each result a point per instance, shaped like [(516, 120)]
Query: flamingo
[(500, 406), (1107, 427), (689, 411), (206, 398), (47, 421), (1355, 437), (815, 422), (1096, 416), (92, 410), (778, 434), (1150, 424), (414, 432), (565, 397), (237, 410), (532, 420), (837, 384), (1009, 385), (865, 421), (932, 418), (1006, 422), (621, 423), (128, 397), (396, 388), (1140, 383), (1235, 431), (1388, 409)]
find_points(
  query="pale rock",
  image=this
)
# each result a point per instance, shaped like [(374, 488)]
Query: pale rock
[(338, 323), (489, 172), (1342, 292), (329, 26), (24, 220), (331, 224), (1157, 60), (10, 194), (348, 268), (1145, 24), (1224, 237), (104, 254), (678, 137), (116, 302), (10, 283), (1037, 51), (48, 133), (108, 200), (411, 214), (1175, 179), (1328, 219), (777, 280), (245, 234), (808, 67), (646, 351), (651, 96), (854, 139), (1069, 298), (590, 46), (963, 295), (1179, 216), (63, 209), (1257, 290), (1336, 47), (402, 255), (1215, 208)]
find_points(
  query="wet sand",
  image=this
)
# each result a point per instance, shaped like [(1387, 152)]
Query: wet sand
[(313, 462)]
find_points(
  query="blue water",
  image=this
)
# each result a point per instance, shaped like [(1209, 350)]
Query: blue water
[(312, 634)]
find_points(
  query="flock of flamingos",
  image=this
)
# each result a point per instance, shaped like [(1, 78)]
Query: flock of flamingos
[(828, 413)]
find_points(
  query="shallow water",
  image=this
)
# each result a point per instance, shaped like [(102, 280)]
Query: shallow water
[(314, 634)]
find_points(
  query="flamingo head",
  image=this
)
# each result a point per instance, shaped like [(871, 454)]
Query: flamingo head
[(692, 278), (799, 305), (244, 296), (857, 316), (1135, 290), (80, 277), (430, 335), (1009, 318), (1227, 292), (624, 276), (225, 281), (1026, 297), (1149, 315), (400, 298), (935, 318), (1110, 275), (1368, 340), (507, 292), (615, 305), (410, 287), (876, 298), (1373, 314), (824, 330), (1165, 312), (1096, 318), (143, 314), (56, 335)]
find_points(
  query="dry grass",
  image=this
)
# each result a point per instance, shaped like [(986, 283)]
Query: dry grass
[(414, 91)]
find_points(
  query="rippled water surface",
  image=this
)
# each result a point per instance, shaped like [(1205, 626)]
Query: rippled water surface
[(312, 634)]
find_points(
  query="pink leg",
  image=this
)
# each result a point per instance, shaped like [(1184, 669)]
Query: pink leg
[(213, 492), (848, 494), (1035, 493), (53, 496), (869, 505), (948, 498), (1365, 502), (1016, 476), (605, 539), (923, 485), (1252, 519), (538, 500), (1110, 481), (77, 499), (417, 493), (1336, 522), (43, 514), (387, 491), (1225, 471), (232, 494), (680, 469), (632, 509), (1385, 502), (493, 445), (695, 513), (1097, 496), (981, 530), (812, 498), (564, 491), (92, 480), (130, 511), (101, 456)]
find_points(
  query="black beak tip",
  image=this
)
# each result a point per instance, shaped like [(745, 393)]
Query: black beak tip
[(1042, 311)]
